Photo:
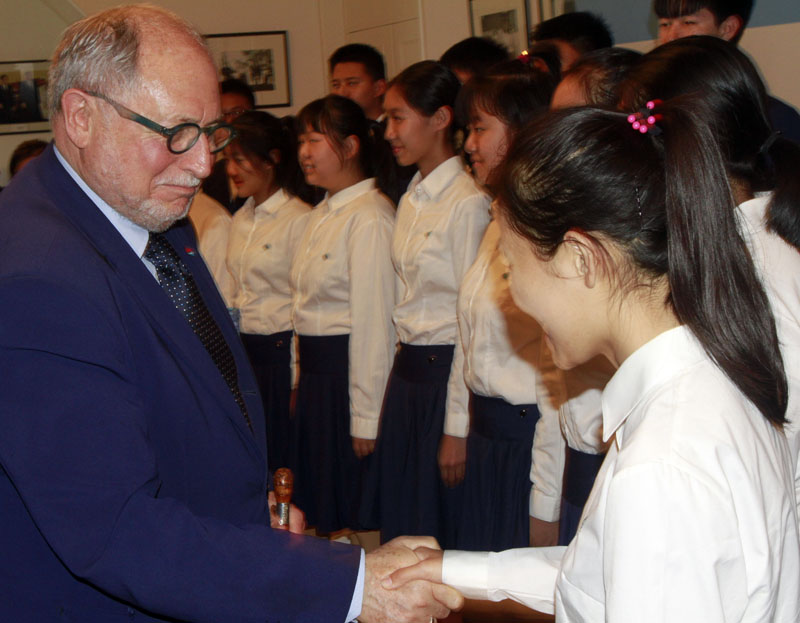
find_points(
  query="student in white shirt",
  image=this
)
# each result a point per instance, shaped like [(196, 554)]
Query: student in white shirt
[(763, 170), (440, 222), (343, 293), (625, 243), (505, 360), (262, 164)]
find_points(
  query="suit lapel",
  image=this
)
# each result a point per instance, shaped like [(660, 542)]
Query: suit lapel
[(165, 319)]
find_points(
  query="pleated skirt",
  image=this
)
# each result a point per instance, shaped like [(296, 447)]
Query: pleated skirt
[(497, 485), (270, 356), (329, 478), (410, 494), (580, 472)]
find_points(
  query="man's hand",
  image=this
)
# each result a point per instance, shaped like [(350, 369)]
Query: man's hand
[(429, 568), (297, 518), (452, 459), (363, 447), (416, 601)]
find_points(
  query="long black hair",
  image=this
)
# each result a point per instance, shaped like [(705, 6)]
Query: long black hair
[(735, 99), (337, 118), (259, 135), (664, 202)]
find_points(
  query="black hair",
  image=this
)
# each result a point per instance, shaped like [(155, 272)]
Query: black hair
[(337, 118), (583, 30), (544, 56), (513, 93), (239, 87), (427, 86), (729, 85), (259, 134), (663, 202), (474, 55), (600, 74), (23, 151), (369, 57), (721, 9)]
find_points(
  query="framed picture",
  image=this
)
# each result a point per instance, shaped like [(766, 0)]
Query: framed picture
[(23, 97), (261, 59), (505, 21)]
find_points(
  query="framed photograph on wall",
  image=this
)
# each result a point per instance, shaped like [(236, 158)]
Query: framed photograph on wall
[(261, 59), (505, 21), (23, 97)]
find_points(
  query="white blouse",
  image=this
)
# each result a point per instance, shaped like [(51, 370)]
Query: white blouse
[(778, 264), (262, 243), (503, 358), (440, 223), (692, 516), (343, 283), (212, 225)]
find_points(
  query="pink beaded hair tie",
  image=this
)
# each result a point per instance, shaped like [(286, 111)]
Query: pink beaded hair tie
[(645, 121)]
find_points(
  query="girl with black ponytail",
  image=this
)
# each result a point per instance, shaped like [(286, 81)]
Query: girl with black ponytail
[(623, 242), (262, 164), (763, 168)]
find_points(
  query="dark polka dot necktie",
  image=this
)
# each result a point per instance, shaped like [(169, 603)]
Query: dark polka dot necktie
[(178, 283)]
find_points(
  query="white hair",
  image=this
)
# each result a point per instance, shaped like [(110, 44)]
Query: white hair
[(100, 53)]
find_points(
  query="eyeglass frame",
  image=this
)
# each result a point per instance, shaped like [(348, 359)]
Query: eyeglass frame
[(168, 133)]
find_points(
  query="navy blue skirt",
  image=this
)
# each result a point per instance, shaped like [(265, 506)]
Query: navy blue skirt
[(270, 356), (580, 472), (328, 477), (497, 484), (411, 496)]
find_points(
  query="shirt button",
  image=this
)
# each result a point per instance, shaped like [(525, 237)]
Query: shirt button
[(279, 343), (523, 412), (432, 358)]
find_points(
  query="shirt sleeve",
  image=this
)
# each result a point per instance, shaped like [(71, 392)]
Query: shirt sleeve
[(527, 575), (469, 221), (548, 454), (372, 336)]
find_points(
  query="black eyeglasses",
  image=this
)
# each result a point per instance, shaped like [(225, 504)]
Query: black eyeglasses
[(182, 137)]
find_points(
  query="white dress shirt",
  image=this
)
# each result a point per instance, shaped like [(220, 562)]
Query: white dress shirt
[(262, 243), (212, 226), (778, 264), (440, 223), (343, 282), (502, 346), (692, 516)]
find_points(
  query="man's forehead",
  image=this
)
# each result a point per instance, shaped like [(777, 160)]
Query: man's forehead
[(351, 70)]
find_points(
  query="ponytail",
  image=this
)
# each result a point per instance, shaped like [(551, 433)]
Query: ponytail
[(783, 213), (663, 200)]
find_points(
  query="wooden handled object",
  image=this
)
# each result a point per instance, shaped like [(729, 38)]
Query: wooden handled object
[(283, 482)]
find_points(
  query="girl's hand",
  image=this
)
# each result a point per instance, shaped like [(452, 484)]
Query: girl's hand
[(363, 447), (452, 459)]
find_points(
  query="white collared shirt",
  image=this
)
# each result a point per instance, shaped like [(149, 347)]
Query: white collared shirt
[(778, 264), (440, 223), (262, 243), (212, 226), (503, 348), (692, 516), (343, 283)]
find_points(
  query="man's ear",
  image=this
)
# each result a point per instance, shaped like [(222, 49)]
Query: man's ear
[(79, 114), (442, 118), (730, 27), (583, 257), (379, 87)]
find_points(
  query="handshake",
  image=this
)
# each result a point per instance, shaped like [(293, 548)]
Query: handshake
[(403, 583)]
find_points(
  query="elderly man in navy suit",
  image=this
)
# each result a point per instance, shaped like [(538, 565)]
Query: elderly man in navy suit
[(132, 474)]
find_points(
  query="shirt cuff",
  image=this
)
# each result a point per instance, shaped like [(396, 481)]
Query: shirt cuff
[(543, 506), (358, 593), (363, 427), (467, 572)]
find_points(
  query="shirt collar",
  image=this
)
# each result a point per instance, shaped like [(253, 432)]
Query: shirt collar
[(437, 180), (273, 202), (343, 197), (135, 235), (648, 368), (755, 209)]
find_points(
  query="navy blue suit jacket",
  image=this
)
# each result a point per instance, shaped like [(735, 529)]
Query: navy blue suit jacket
[(130, 485)]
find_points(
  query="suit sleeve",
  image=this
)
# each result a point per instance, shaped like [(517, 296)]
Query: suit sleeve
[(77, 448)]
